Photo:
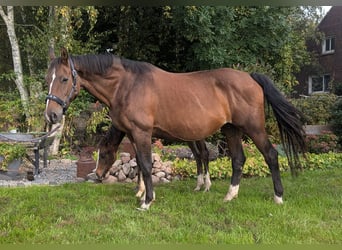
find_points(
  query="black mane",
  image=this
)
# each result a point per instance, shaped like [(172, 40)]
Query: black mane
[(99, 64)]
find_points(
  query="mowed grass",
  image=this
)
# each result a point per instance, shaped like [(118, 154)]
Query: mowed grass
[(96, 213)]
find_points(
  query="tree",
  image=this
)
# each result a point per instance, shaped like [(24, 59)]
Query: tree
[(17, 64)]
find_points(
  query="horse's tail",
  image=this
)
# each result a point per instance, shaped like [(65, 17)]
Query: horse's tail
[(289, 121)]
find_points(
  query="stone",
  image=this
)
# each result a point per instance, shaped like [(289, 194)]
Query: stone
[(121, 176), (114, 169), (125, 157), (160, 174), (164, 180), (132, 173), (133, 163), (110, 180), (155, 179), (126, 168), (128, 180), (155, 157), (157, 164), (168, 170), (117, 163), (91, 176)]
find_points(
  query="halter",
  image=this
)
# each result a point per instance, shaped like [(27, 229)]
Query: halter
[(73, 89)]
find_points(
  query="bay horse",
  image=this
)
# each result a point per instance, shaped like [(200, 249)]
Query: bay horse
[(146, 101), (109, 144)]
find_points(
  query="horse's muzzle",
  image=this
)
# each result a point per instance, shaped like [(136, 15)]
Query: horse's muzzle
[(53, 117)]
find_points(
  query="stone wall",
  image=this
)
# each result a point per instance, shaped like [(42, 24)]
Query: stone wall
[(126, 168)]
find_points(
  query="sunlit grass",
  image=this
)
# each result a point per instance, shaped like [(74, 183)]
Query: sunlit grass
[(93, 213)]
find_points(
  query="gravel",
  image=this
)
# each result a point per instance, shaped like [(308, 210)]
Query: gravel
[(57, 172)]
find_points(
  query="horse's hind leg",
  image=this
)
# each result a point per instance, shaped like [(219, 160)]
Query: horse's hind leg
[(270, 154), (234, 141), (204, 155), (197, 155), (201, 154)]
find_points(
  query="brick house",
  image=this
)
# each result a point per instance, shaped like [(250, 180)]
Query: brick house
[(320, 78)]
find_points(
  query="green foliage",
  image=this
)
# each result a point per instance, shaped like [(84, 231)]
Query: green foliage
[(97, 118), (9, 152), (255, 164), (323, 143), (336, 119), (187, 38), (316, 108), (323, 161), (10, 110)]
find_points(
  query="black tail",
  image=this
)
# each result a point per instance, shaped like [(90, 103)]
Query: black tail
[(289, 121)]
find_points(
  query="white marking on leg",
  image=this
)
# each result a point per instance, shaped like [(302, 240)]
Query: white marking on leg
[(207, 182), (141, 186), (232, 193), (200, 182), (145, 206), (278, 199)]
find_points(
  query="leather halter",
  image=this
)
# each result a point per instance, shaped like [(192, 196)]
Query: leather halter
[(73, 89)]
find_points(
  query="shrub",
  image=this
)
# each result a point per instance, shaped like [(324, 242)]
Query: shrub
[(316, 108), (255, 164), (337, 88), (336, 119), (323, 143), (10, 152)]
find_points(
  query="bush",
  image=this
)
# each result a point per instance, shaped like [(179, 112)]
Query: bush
[(10, 152), (316, 108), (337, 88), (336, 119), (323, 143), (255, 164)]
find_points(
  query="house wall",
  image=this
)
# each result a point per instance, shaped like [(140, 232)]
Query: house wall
[(331, 25)]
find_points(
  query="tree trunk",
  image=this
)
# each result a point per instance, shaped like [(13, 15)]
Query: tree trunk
[(17, 66)]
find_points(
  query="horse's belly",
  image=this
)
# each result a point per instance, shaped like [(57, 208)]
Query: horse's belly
[(189, 129)]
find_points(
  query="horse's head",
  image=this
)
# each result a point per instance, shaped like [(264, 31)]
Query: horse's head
[(62, 84), (106, 155)]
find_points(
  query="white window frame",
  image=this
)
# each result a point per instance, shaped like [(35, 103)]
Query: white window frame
[(325, 83), (324, 45)]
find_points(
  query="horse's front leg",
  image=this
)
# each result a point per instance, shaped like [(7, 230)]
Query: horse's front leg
[(144, 159)]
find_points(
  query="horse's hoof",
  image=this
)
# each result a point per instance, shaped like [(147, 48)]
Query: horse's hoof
[(232, 193), (278, 199), (228, 198), (144, 206), (197, 188)]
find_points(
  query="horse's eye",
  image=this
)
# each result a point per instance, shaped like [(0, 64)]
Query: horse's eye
[(65, 79)]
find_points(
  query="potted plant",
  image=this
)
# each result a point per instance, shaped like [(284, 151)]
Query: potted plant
[(11, 156)]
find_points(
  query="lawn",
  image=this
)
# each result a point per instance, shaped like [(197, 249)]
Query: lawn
[(95, 213)]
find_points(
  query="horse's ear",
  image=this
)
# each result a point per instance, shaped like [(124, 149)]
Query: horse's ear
[(51, 53), (64, 55)]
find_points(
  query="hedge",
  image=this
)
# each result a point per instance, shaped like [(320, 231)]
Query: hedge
[(255, 164)]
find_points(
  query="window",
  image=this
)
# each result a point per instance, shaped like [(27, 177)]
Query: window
[(319, 84), (328, 45)]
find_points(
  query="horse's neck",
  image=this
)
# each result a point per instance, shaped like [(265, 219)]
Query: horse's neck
[(101, 87)]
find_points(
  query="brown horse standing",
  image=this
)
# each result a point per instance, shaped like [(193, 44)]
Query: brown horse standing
[(109, 144), (146, 101)]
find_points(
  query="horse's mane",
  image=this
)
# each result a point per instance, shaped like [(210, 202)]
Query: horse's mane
[(99, 64)]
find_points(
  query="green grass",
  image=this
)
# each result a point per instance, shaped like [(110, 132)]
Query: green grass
[(93, 213)]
